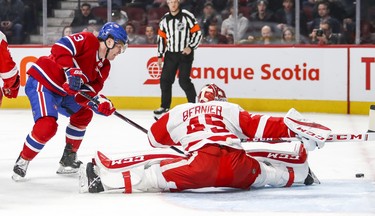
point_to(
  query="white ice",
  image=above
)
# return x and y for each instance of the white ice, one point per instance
(45, 193)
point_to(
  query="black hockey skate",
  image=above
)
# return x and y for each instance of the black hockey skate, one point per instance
(68, 162)
(311, 178)
(94, 183)
(20, 168)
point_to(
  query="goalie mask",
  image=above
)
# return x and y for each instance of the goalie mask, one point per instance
(211, 92)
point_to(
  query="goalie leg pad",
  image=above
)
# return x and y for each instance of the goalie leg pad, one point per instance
(281, 175)
(275, 175)
(137, 179)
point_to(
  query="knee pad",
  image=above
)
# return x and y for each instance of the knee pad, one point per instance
(44, 129)
(82, 118)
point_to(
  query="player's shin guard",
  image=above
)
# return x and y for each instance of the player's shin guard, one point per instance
(44, 129)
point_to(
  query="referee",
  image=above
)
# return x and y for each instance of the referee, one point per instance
(179, 34)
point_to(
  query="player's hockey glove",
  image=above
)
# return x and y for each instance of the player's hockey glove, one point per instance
(102, 105)
(11, 87)
(74, 80)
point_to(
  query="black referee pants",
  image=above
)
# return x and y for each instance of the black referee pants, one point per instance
(174, 61)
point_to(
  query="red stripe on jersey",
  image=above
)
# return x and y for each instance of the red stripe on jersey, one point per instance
(42, 104)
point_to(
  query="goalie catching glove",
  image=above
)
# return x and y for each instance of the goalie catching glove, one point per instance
(311, 134)
(74, 80)
(101, 105)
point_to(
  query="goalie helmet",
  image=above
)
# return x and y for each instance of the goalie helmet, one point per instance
(112, 29)
(211, 92)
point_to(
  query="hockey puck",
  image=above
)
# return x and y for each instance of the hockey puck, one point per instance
(359, 175)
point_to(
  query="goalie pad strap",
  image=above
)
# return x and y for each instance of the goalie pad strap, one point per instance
(291, 177)
(127, 182)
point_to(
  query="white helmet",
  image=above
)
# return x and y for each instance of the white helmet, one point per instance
(211, 92)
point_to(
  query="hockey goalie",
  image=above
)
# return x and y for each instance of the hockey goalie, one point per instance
(210, 134)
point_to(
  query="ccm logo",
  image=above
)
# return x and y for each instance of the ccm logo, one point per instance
(128, 160)
(283, 156)
(345, 137)
(310, 133)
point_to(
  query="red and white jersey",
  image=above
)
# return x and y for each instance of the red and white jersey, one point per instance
(78, 50)
(8, 68)
(193, 125)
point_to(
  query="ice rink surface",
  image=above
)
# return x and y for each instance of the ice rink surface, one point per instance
(45, 193)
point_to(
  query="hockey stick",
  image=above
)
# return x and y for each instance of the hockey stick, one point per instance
(361, 137)
(144, 130)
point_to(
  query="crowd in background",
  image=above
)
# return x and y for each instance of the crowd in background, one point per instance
(257, 21)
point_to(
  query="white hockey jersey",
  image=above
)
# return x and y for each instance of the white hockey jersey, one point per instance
(193, 125)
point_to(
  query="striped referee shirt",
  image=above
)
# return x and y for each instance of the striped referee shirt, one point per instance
(178, 32)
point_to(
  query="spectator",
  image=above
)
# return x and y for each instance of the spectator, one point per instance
(230, 38)
(348, 28)
(214, 37)
(324, 14)
(286, 17)
(261, 17)
(324, 35)
(150, 35)
(119, 16)
(367, 32)
(209, 16)
(288, 36)
(11, 20)
(267, 36)
(93, 29)
(84, 18)
(227, 27)
(262, 13)
(133, 38)
(67, 30)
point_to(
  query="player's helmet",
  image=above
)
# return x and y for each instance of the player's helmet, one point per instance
(211, 92)
(112, 29)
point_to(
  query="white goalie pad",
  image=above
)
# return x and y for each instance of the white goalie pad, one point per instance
(305, 128)
(291, 153)
(126, 163)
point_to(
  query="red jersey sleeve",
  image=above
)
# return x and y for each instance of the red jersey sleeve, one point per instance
(263, 126)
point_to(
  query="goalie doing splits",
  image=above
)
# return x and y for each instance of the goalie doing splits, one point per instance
(209, 132)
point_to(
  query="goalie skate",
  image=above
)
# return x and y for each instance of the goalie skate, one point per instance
(83, 182)
(89, 181)
(311, 178)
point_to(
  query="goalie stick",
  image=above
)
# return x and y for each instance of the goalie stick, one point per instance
(332, 138)
(144, 130)
(359, 137)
